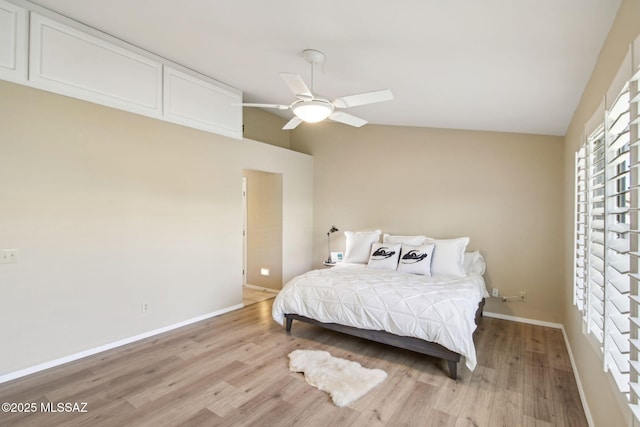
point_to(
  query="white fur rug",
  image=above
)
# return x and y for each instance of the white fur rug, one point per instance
(343, 379)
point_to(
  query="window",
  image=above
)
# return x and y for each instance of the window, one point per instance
(603, 236)
(607, 205)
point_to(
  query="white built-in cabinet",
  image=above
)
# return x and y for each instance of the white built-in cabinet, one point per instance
(41, 49)
(201, 104)
(73, 63)
(13, 39)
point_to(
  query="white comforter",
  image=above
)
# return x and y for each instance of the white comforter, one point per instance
(440, 309)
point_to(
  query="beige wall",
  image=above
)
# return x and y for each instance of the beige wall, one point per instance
(502, 190)
(264, 126)
(110, 210)
(264, 228)
(605, 402)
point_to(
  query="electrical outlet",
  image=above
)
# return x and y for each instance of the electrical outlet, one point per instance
(8, 256)
(495, 292)
(145, 307)
(523, 296)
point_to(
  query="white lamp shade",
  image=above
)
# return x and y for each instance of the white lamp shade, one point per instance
(312, 111)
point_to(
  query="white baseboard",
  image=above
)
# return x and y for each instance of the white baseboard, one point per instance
(523, 320)
(46, 365)
(583, 399)
(560, 326)
(260, 288)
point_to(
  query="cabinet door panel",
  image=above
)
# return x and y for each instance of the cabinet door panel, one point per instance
(68, 61)
(13, 53)
(202, 104)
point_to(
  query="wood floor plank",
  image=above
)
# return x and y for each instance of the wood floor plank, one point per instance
(451, 396)
(507, 409)
(184, 376)
(177, 413)
(557, 355)
(537, 399)
(264, 406)
(535, 339)
(566, 407)
(299, 393)
(98, 417)
(479, 396)
(233, 370)
(116, 383)
(204, 417)
(33, 386)
(415, 408)
(438, 418)
(379, 406)
(252, 296)
(528, 421)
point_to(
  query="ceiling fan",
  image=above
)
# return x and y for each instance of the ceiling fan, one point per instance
(312, 108)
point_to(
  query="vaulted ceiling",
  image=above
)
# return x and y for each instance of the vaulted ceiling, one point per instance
(501, 65)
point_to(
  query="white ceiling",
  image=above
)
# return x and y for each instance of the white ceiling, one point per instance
(503, 65)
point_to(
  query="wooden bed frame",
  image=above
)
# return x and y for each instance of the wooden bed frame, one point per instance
(407, 343)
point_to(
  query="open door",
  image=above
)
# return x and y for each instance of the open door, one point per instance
(262, 237)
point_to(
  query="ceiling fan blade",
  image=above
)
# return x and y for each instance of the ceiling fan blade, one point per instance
(363, 98)
(347, 119)
(293, 123)
(278, 106)
(297, 85)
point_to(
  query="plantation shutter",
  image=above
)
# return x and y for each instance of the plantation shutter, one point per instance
(579, 277)
(596, 236)
(617, 235)
(634, 137)
(585, 299)
(607, 271)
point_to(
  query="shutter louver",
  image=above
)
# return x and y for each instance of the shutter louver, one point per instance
(634, 255)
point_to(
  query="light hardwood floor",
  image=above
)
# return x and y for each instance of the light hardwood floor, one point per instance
(252, 296)
(232, 370)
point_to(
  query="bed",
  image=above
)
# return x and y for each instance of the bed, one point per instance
(433, 314)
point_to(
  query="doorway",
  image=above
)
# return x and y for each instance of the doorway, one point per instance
(262, 235)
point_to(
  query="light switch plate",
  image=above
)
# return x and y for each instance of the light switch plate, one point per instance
(8, 256)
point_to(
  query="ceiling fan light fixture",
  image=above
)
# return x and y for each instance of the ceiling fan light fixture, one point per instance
(312, 111)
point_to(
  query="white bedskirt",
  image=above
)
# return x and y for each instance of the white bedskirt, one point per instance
(440, 309)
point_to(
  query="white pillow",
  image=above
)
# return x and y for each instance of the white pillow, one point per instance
(358, 247)
(448, 256)
(474, 263)
(406, 240)
(384, 256)
(416, 259)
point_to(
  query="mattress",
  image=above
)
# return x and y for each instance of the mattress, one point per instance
(439, 309)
